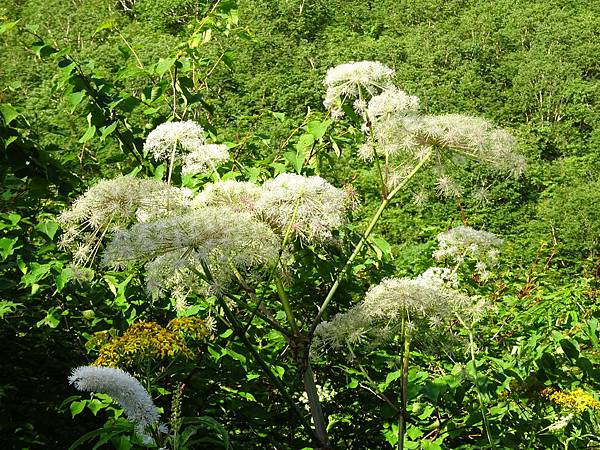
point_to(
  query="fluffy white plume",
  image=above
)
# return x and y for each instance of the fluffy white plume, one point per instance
(122, 388)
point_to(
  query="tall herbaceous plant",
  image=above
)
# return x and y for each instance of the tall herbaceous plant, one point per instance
(238, 244)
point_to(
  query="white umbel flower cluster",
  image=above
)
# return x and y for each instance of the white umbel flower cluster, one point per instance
(462, 243)
(112, 205)
(392, 102)
(174, 138)
(204, 158)
(310, 207)
(430, 298)
(123, 389)
(473, 137)
(237, 195)
(217, 237)
(353, 79)
(169, 201)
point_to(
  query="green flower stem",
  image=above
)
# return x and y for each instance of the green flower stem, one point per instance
(404, 386)
(382, 180)
(171, 163)
(482, 406)
(386, 201)
(286, 305)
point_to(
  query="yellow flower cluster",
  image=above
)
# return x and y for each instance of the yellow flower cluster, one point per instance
(576, 400)
(189, 326)
(142, 340)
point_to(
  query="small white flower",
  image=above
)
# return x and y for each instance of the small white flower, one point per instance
(174, 247)
(447, 187)
(431, 298)
(237, 195)
(112, 205)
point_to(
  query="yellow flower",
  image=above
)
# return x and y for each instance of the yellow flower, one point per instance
(576, 400)
(142, 340)
(189, 326)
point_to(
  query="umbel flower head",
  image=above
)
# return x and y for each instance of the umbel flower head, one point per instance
(431, 298)
(205, 157)
(309, 207)
(392, 102)
(123, 388)
(217, 237)
(474, 137)
(112, 205)
(237, 195)
(174, 138)
(462, 243)
(354, 79)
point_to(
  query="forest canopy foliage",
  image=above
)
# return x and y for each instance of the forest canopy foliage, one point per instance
(299, 224)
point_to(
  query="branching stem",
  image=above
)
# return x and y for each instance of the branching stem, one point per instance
(375, 219)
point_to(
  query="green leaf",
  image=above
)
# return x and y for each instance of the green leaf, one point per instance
(7, 247)
(305, 142)
(163, 65)
(7, 26)
(62, 278)
(52, 318)
(37, 272)
(9, 112)
(317, 128)
(235, 355)
(77, 407)
(75, 98)
(569, 348)
(49, 228)
(89, 133)
(390, 378)
(7, 307)
(106, 25)
(105, 131)
(95, 405)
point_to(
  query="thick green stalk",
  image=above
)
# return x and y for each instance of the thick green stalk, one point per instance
(315, 404)
(286, 305)
(308, 378)
(386, 201)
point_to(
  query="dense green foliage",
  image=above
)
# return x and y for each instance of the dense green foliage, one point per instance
(83, 82)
